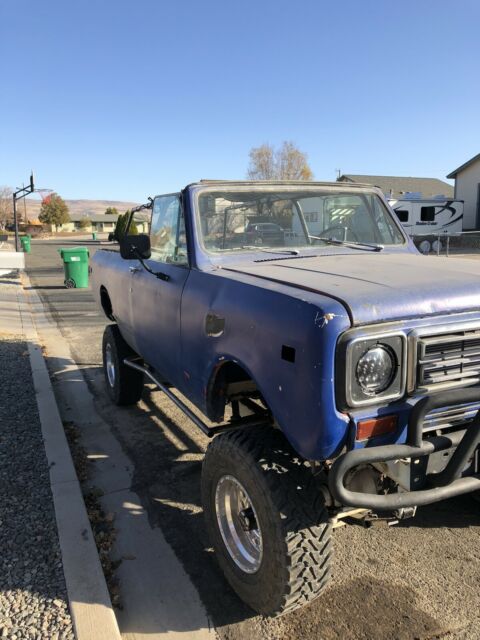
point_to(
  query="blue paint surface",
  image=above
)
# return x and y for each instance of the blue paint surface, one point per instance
(304, 302)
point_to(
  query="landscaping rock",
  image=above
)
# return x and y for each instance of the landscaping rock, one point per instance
(33, 597)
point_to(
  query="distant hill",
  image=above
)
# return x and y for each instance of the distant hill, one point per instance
(75, 207)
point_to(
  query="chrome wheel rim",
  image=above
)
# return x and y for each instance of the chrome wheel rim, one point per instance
(238, 524)
(110, 365)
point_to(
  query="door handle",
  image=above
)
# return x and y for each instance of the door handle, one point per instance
(133, 269)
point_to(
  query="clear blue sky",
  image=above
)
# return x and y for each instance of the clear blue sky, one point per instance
(121, 99)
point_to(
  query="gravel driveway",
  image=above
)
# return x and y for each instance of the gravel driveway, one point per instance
(33, 598)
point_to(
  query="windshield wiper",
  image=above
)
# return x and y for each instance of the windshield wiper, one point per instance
(288, 252)
(349, 243)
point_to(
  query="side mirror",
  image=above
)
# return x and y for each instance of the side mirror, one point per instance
(135, 247)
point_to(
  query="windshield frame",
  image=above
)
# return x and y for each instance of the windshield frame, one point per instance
(320, 189)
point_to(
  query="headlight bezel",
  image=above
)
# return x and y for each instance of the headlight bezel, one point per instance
(351, 349)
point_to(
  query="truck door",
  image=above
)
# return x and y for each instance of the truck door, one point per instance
(155, 301)
(127, 275)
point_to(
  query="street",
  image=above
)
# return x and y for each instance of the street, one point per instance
(419, 579)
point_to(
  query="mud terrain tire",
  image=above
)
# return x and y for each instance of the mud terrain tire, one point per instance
(290, 514)
(124, 384)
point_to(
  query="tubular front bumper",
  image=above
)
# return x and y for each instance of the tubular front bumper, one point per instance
(446, 484)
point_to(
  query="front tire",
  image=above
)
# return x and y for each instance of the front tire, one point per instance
(266, 520)
(124, 384)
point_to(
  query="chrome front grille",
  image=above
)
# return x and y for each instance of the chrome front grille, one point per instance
(448, 360)
(459, 415)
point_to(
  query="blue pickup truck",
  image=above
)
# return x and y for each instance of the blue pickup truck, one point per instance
(335, 368)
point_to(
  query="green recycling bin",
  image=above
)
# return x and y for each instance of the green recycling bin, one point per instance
(75, 264)
(25, 242)
(94, 236)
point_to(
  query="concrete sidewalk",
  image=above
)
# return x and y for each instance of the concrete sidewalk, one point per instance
(12, 301)
(90, 607)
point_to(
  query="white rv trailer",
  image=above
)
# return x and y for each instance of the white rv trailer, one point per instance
(429, 217)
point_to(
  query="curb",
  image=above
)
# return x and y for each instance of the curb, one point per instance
(159, 598)
(90, 605)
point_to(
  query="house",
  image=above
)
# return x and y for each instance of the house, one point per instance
(398, 187)
(467, 188)
(99, 223)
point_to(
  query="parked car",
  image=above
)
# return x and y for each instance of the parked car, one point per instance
(342, 375)
(264, 233)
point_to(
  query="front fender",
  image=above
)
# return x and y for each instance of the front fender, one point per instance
(260, 321)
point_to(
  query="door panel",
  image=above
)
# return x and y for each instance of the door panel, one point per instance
(156, 302)
(156, 305)
(122, 296)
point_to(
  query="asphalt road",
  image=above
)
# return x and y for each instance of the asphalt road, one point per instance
(420, 579)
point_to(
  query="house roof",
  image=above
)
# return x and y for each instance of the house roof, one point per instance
(463, 166)
(95, 217)
(400, 185)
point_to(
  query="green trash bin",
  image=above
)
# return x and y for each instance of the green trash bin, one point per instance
(94, 236)
(75, 264)
(25, 242)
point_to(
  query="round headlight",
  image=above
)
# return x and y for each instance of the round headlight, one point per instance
(376, 369)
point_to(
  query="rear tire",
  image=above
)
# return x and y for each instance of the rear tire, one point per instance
(283, 562)
(124, 384)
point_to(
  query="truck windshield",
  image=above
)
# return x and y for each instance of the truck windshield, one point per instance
(243, 220)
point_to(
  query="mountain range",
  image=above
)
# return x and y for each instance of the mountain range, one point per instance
(75, 207)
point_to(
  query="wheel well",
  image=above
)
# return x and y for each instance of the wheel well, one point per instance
(106, 303)
(230, 381)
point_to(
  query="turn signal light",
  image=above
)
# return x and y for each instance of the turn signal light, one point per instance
(376, 427)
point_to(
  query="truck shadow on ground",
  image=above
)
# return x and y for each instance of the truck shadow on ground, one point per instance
(167, 457)
(455, 513)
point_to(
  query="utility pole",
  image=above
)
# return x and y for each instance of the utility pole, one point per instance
(25, 219)
(18, 195)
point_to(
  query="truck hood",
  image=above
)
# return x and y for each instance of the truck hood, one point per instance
(378, 287)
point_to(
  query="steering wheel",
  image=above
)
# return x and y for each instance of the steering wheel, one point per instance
(337, 227)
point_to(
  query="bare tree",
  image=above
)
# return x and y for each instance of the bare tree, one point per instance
(262, 163)
(285, 163)
(292, 164)
(6, 206)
